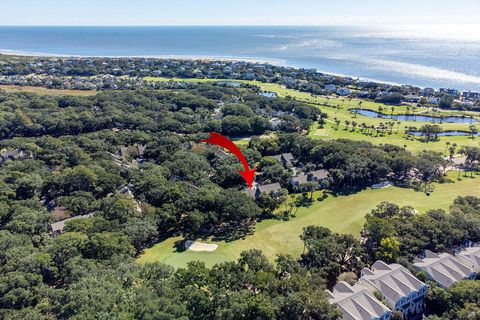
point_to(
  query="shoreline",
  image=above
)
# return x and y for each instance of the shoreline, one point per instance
(275, 62)
(270, 61)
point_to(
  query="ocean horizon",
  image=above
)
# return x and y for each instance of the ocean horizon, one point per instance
(425, 56)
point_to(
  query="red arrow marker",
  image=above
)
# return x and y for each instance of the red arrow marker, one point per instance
(219, 140)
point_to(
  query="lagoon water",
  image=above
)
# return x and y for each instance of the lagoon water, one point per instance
(426, 56)
(414, 117)
(446, 134)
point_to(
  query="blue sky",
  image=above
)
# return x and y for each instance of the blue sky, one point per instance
(240, 12)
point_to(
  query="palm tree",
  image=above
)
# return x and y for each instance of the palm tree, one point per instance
(337, 123)
(391, 124)
(354, 125)
(473, 130)
(452, 150)
(447, 144)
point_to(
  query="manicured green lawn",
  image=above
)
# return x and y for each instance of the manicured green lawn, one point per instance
(343, 214)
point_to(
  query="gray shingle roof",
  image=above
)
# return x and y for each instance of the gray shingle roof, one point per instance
(471, 255)
(58, 226)
(319, 174)
(444, 268)
(270, 188)
(393, 281)
(285, 158)
(356, 302)
(300, 179)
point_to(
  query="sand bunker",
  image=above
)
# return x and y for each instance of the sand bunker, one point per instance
(200, 246)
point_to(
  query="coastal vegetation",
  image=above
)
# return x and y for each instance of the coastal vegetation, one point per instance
(111, 206)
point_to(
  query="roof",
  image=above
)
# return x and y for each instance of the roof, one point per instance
(132, 151)
(269, 188)
(444, 268)
(319, 174)
(285, 158)
(311, 176)
(300, 179)
(13, 154)
(393, 281)
(471, 255)
(356, 302)
(58, 226)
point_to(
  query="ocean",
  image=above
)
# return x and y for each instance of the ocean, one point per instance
(425, 56)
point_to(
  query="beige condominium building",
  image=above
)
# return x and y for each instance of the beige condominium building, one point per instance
(445, 269)
(357, 303)
(400, 290)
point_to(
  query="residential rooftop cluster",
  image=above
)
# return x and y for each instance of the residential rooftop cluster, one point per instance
(129, 73)
(299, 179)
(385, 288)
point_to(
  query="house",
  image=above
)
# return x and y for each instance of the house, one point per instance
(273, 190)
(411, 98)
(471, 95)
(57, 227)
(11, 155)
(286, 159)
(427, 92)
(126, 192)
(450, 92)
(319, 176)
(400, 290)
(362, 94)
(357, 303)
(471, 256)
(275, 123)
(132, 152)
(444, 268)
(331, 88)
(343, 92)
(433, 100)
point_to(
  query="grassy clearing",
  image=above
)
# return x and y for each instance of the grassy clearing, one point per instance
(46, 91)
(344, 214)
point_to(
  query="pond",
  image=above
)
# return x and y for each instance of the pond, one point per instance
(445, 133)
(412, 117)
